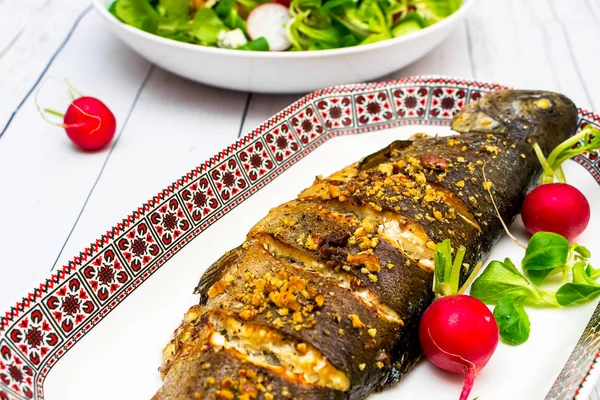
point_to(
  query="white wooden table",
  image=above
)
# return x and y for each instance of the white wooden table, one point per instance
(55, 199)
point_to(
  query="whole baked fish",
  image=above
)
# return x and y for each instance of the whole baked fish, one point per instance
(323, 299)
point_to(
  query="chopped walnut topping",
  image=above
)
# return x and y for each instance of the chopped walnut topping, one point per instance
(334, 191)
(320, 299)
(218, 288)
(288, 222)
(225, 394)
(310, 243)
(491, 149)
(356, 322)
(386, 168)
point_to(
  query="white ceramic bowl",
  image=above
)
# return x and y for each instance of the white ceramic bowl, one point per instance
(281, 72)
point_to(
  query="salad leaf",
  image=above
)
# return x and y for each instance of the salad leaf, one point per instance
(331, 4)
(436, 10)
(574, 292)
(330, 35)
(370, 13)
(376, 37)
(206, 26)
(501, 279)
(546, 252)
(178, 9)
(404, 28)
(513, 321)
(592, 272)
(259, 44)
(411, 22)
(581, 251)
(582, 288)
(305, 4)
(228, 12)
(138, 13)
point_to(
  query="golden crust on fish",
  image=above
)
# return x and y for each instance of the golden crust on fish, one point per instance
(324, 298)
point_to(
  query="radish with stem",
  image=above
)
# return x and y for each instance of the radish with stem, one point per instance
(458, 333)
(88, 122)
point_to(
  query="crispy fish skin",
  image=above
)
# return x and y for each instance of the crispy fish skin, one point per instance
(324, 298)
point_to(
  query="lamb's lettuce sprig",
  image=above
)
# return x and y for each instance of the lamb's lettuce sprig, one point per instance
(547, 254)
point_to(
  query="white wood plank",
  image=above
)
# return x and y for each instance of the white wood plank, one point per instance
(31, 31)
(176, 126)
(571, 11)
(263, 106)
(526, 49)
(595, 8)
(48, 178)
(450, 58)
(582, 38)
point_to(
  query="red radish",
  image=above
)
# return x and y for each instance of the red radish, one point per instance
(268, 21)
(283, 2)
(89, 123)
(556, 207)
(459, 334)
(559, 207)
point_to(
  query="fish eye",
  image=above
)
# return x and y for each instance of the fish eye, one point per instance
(543, 104)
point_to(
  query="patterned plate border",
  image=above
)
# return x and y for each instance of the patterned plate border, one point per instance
(38, 330)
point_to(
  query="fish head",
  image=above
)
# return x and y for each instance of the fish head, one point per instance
(544, 117)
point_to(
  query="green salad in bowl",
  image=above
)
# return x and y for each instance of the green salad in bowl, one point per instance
(283, 25)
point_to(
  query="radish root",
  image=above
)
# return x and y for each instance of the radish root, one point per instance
(510, 235)
(470, 369)
(70, 89)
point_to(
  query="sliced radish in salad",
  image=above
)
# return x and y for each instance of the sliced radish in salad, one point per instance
(268, 21)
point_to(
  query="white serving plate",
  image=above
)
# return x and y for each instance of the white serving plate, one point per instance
(281, 72)
(95, 329)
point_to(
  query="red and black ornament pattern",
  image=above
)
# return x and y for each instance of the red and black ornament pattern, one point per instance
(200, 199)
(16, 374)
(373, 108)
(229, 179)
(35, 336)
(38, 332)
(105, 274)
(139, 247)
(307, 125)
(170, 221)
(256, 160)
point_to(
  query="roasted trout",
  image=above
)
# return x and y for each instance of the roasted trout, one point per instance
(323, 299)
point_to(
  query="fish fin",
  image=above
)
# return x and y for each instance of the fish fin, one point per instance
(216, 271)
(383, 155)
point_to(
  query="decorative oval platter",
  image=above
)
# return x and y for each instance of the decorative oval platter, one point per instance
(95, 328)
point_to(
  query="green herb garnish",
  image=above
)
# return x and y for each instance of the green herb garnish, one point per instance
(513, 321)
(547, 253)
